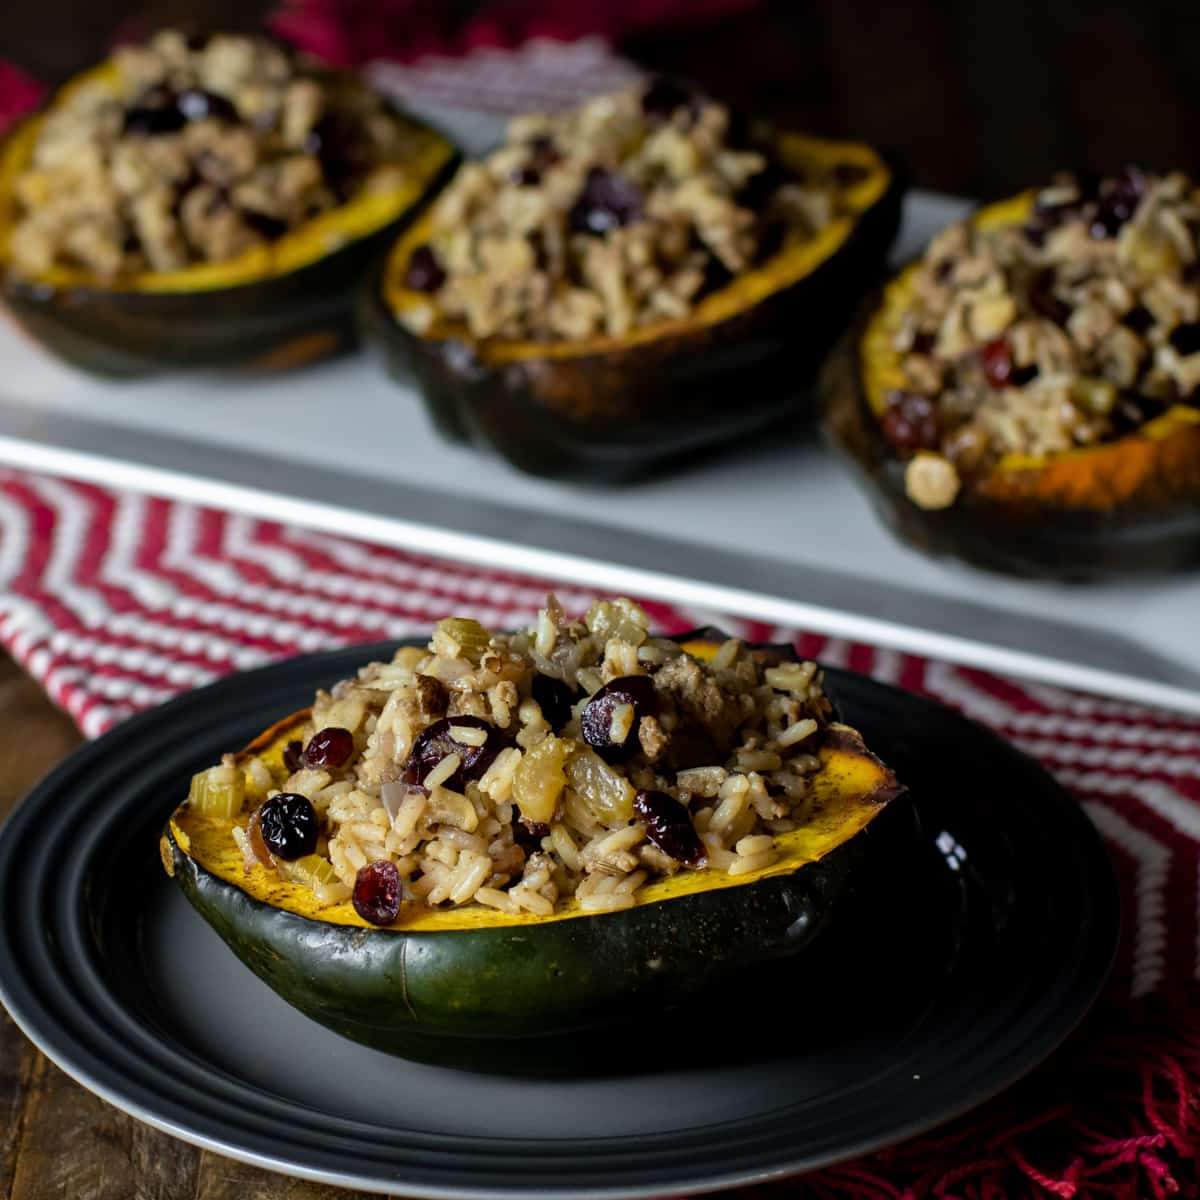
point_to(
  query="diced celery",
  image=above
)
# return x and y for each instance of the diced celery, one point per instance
(460, 637)
(618, 619)
(317, 874)
(218, 792)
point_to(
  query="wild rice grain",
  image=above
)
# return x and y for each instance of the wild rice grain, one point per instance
(472, 875)
(611, 902)
(564, 846)
(466, 735)
(531, 901)
(444, 769)
(494, 898)
(797, 732)
(621, 722)
(630, 883)
(411, 809)
(755, 845)
(747, 863)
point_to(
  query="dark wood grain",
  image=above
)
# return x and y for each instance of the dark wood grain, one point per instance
(57, 1141)
(221, 1179)
(17, 1059)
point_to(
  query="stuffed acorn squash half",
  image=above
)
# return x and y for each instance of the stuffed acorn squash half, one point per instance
(632, 280)
(1027, 395)
(504, 837)
(204, 202)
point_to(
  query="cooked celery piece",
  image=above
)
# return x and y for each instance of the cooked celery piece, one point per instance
(317, 874)
(618, 619)
(218, 792)
(460, 637)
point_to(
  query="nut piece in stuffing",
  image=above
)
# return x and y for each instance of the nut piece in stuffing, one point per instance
(931, 481)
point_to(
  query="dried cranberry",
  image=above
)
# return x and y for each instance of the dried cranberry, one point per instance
(154, 113)
(717, 274)
(288, 824)
(1043, 300)
(543, 154)
(1048, 215)
(634, 690)
(1139, 318)
(847, 174)
(1186, 338)
(293, 756)
(198, 105)
(997, 362)
(378, 892)
(669, 827)
(528, 835)
(336, 141)
(269, 227)
(911, 422)
(329, 747)
(608, 200)
(1132, 410)
(1118, 200)
(664, 97)
(435, 743)
(424, 272)
(758, 190)
(555, 698)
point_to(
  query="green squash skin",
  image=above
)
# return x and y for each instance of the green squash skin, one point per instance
(512, 998)
(288, 319)
(1160, 532)
(499, 999)
(613, 416)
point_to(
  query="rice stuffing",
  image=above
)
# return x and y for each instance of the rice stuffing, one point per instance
(576, 759)
(1076, 327)
(619, 214)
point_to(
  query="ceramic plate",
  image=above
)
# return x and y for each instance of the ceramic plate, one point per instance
(981, 936)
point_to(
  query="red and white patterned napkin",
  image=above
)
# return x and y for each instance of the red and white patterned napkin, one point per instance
(116, 601)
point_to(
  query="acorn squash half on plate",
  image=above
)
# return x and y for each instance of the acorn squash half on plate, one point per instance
(279, 304)
(473, 986)
(1125, 505)
(605, 408)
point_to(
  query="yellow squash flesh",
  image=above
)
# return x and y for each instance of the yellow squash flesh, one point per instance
(748, 289)
(370, 211)
(1102, 476)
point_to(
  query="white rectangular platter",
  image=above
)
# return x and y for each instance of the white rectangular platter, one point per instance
(774, 529)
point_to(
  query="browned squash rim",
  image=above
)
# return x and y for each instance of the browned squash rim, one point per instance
(1117, 469)
(751, 287)
(308, 243)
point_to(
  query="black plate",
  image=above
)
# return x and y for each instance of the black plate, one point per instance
(961, 964)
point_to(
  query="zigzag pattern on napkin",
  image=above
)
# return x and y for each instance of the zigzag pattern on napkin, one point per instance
(116, 601)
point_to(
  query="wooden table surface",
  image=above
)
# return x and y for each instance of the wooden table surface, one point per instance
(57, 1141)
